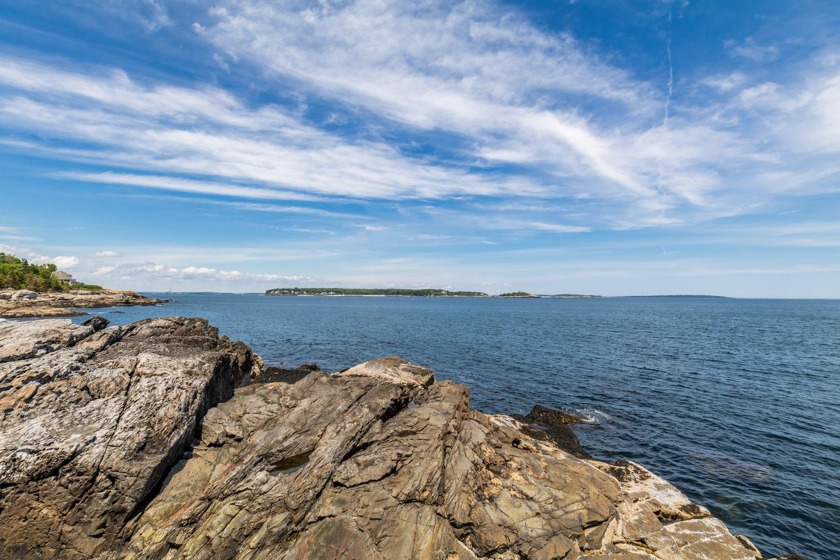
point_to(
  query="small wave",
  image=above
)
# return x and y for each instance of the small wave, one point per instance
(593, 416)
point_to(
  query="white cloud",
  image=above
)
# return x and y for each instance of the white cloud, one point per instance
(490, 77)
(66, 261)
(751, 50)
(460, 67)
(761, 94)
(153, 16)
(107, 254)
(189, 273)
(61, 261)
(9, 233)
(185, 185)
(508, 110)
(207, 132)
(725, 82)
(221, 62)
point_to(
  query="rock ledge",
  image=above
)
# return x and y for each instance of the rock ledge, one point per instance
(25, 303)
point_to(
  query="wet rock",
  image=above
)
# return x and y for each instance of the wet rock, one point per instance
(96, 323)
(553, 425)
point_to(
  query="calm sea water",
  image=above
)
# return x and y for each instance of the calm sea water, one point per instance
(737, 402)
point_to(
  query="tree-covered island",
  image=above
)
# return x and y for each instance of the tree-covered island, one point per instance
(425, 292)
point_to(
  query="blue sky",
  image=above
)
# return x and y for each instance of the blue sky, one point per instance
(608, 147)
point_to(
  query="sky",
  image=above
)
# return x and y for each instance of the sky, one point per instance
(609, 147)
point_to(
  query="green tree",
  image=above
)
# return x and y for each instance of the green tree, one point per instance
(19, 274)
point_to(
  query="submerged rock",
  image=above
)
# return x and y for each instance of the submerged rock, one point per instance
(378, 461)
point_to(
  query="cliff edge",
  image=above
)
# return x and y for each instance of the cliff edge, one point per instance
(161, 439)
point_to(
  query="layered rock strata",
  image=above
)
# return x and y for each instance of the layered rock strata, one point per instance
(94, 418)
(97, 459)
(24, 303)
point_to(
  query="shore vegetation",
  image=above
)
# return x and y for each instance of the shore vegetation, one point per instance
(19, 274)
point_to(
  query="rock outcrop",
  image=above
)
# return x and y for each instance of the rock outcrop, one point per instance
(379, 461)
(94, 418)
(25, 303)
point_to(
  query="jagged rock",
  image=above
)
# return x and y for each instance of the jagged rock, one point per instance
(97, 323)
(380, 462)
(552, 425)
(377, 461)
(92, 421)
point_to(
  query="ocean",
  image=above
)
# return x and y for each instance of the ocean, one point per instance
(735, 401)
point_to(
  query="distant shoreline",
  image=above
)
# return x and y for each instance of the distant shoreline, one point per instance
(405, 292)
(22, 304)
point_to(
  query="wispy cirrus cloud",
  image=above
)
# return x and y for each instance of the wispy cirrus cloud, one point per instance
(517, 96)
(107, 119)
(750, 49)
(449, 102)
(180, 184)
(487, 75)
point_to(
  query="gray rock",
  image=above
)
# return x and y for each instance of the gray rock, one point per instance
(24, 303)
(92, 421)
(24, 294)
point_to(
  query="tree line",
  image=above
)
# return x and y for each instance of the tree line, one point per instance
(19, 274)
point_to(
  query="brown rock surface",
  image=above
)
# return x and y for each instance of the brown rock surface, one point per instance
(93, 419)
(59, 304)
(377, 461)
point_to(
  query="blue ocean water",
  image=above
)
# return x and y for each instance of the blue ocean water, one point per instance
(737, 402)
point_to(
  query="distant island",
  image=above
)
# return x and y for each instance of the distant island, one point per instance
(426, 292)
(679, 296)
(405, 292)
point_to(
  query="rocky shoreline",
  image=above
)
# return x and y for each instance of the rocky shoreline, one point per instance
(25, 303)
(161, 439)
